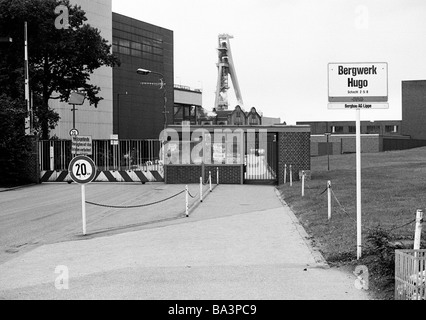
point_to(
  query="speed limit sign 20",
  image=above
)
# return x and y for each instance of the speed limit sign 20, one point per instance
(82, 169)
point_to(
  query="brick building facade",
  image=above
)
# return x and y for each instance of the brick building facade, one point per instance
(256, 161)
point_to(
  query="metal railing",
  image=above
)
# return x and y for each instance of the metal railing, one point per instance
(108, 155)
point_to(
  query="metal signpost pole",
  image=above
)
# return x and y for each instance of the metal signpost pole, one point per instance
(358, 180)
(82, 170)
(83, 207)
(358, 86)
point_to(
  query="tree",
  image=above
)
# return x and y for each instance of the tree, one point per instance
(14, 148)
(61, 60)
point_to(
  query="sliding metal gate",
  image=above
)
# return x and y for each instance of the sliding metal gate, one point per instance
(261, 158)
(123, 160)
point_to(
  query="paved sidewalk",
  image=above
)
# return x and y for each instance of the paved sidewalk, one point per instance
(241, 242)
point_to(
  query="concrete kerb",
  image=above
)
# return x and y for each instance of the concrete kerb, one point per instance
(318, 257)
(18, 187)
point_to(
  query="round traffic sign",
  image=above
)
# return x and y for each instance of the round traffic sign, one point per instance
(82, 169)
(73, 132)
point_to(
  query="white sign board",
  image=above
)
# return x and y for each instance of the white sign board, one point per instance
(114, 139)
(364, 105)
(81, 145)
(358, 82)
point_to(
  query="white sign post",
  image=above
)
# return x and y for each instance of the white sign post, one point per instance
(82, 170)
(358, 86)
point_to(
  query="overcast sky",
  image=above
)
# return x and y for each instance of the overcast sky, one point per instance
(281, 48)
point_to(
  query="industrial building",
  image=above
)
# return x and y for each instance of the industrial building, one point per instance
(139, 102)
(414, 109)
(128, 108)
(91, 121)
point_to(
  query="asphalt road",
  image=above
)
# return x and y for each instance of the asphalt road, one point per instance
(241, 242)
(51, 212)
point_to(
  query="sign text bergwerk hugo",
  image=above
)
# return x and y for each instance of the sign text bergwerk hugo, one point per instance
(358, 82)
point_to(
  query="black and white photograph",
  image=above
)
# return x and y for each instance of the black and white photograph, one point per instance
(212, 158)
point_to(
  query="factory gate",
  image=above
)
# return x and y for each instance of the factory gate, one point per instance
(116, 161)
(261, 158)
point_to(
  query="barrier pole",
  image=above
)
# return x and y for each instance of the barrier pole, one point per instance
(285, 173)
(303, 183)
(186, 200)
(329, 198)
(418, 232)
(201, 189)
(291, 177)
(210, 180)
(217, 175)
(83, 207)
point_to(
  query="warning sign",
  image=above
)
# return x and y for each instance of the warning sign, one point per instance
(81, 145)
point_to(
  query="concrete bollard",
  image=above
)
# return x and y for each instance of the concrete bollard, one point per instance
(418, 231)
(285, 173)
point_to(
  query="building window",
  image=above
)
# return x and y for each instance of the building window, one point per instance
(136, 53)
(124, 43)
(136, 45)
(253, 120)
(336, 129)
(158, 51)
(391, 129)
(124, 50)
(373, 129)
(352, 129)
(146, 48)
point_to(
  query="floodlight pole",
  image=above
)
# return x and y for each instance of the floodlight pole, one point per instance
(162, 84)
(73, 115)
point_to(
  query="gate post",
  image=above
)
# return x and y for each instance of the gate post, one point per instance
(51, 156)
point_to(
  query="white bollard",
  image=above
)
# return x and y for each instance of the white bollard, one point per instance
(201, 189)
(285, 173)
(210, 180)
(303, 183)
(291, 177)
(418, 232)
(329, 198)
(186, 200)
(217, 175)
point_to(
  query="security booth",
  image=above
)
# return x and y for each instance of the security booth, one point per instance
(254, 154)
